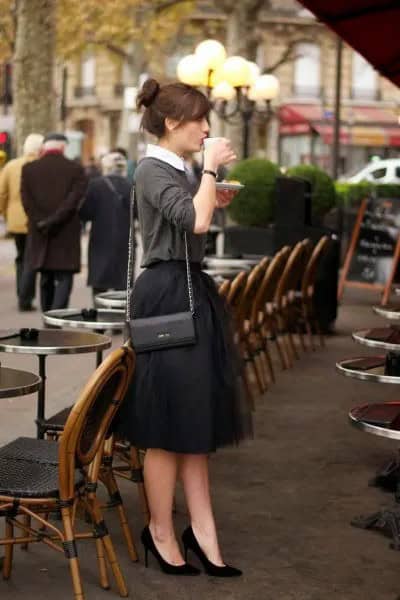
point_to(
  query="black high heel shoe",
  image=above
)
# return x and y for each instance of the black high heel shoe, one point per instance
(190, 543)
(166, 567)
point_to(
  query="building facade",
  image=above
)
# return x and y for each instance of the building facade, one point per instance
(301, 129)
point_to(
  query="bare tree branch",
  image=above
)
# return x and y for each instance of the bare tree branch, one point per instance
(168, 4)
(287, 55)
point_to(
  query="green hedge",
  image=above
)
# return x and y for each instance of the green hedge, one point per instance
(351, 194)
(323, 194)
(254, 204)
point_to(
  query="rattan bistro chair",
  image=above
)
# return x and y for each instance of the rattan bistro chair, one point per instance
(307, 292)
(35, 490)
(263, 318)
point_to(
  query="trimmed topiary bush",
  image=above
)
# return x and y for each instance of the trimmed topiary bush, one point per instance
(254, 205)
(323, 195)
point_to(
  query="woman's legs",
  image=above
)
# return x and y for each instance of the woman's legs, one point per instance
(160, 472)
(193, 469)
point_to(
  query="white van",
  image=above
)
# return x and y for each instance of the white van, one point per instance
(378, 171)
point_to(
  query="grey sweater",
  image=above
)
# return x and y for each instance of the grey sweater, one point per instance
(166, 210)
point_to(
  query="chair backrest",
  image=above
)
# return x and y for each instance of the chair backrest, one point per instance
(253, 283)
(235, 292)
(310, 273)
(293, 271)
(267, 289)
(90, 419)
(224, 288)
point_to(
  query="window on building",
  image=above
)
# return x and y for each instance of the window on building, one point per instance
(379, 173)
(364, 79)
(87, 76)
(307, 77)
(397, 171)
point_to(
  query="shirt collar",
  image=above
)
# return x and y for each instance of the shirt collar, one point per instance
(154, 151)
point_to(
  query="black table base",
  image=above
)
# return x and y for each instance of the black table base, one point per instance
(388, 477)
(387, 521)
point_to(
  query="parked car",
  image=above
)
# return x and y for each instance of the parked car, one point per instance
(378, 171)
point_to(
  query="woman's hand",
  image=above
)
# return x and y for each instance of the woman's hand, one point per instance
(225, 197)
(219, 153)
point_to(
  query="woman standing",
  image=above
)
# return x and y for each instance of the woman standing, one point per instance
(106, 206)
(184, 402)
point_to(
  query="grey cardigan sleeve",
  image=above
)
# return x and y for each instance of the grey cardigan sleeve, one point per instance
(165, 193)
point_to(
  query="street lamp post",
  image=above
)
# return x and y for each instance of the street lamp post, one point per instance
(234, 84)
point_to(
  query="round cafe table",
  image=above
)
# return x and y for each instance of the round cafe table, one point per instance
(365, 337)
(388, 312)
(72, 317)
(14, 382)
(52, 341)
(115, 299)
(366, 368)
(382, 420)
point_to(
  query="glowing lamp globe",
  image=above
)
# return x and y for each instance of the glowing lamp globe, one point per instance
(254, 71)
(223, 91)
(236, 71)
(192, 71)
(266, 87)
(211, 53)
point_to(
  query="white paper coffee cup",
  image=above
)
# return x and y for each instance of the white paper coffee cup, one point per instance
(210, 141)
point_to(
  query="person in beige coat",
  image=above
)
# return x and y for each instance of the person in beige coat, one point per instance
(17, 222)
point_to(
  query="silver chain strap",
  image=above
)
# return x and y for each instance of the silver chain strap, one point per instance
(131, 262)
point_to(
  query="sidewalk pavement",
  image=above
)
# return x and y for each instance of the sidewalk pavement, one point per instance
(283, 501)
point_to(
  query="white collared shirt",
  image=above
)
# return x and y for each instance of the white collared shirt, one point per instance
(154, 151)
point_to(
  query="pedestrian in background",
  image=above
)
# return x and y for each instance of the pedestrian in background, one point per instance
(130, 164)
(106, 206)
(16, 219)
(52, 189)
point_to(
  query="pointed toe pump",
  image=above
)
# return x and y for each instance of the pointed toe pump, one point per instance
(166, 567)
(190, 543)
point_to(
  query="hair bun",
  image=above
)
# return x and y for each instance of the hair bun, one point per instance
(148, 93)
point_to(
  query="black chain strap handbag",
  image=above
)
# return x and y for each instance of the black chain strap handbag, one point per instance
(159, 332)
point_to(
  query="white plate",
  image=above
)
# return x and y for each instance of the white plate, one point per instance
(225, 185)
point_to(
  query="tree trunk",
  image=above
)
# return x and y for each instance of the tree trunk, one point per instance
(34, 94)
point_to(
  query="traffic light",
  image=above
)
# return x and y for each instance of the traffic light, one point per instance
(5, 142)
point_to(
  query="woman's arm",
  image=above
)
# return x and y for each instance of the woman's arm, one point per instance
(205, 201)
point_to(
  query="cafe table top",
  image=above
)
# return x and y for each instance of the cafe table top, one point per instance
(362, 338)
(371, 428)
(57, 341)
(366, 368)
(14, 382)
(388, 312)
(72, 317)
(114, 299)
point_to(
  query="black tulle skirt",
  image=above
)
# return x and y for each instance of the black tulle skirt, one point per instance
(188, 399)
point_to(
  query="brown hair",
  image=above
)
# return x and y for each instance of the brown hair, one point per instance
(176, 101)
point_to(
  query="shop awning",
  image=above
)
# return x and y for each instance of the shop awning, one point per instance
(371, 27)
(361, 125)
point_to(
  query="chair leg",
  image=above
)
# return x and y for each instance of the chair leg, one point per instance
(105, 538)
(101, 561)
(270, 363)
(71, 554)
(9, 550)
(26, 519)
(107, 477)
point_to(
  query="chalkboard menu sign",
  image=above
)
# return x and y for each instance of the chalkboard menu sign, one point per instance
(373, 254)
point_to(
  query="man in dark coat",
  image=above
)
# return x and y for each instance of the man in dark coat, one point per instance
(107, 207)
(52, 189)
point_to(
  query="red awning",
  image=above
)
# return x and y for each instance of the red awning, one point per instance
(361, 125)
(371, 27)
